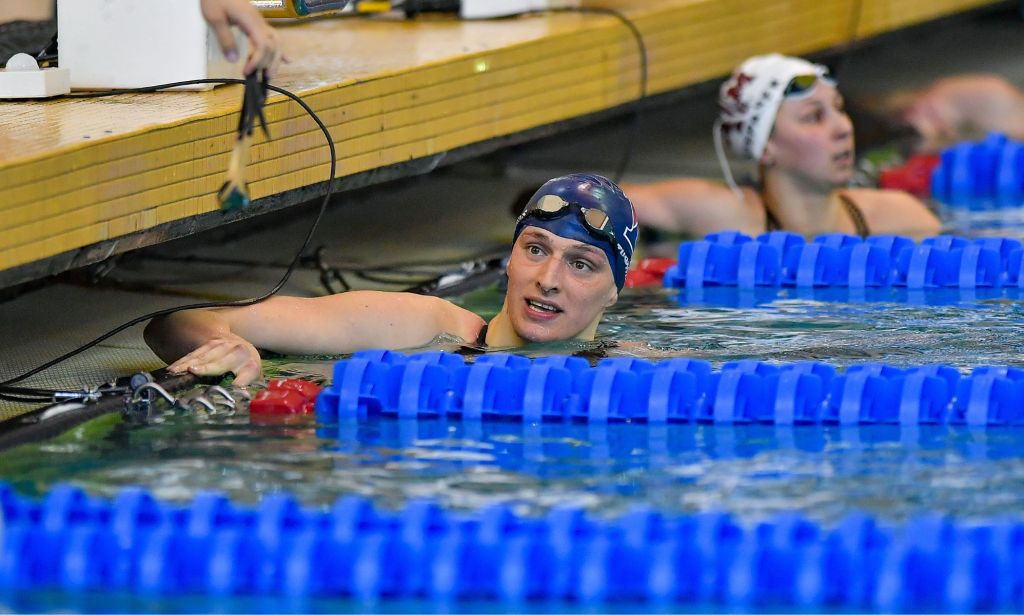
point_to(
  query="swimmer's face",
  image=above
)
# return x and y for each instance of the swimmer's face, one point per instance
(813, 139)
(558, 288)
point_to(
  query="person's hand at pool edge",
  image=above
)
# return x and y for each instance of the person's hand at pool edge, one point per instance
(213, 342)
(201, 343)
(265, 51)
(222, 355)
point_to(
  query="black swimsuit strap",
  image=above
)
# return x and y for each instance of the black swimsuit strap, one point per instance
(771, 223)
(859, 223)
(479, 346)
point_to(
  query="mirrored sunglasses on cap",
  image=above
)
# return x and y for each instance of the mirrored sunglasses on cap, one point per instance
(803, 85)
(551, 206)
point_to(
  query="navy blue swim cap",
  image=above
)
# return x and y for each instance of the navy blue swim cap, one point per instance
(578, 193)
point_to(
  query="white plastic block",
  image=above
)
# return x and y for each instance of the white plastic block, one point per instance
(110, 44)
(22, 78)
(486, 9)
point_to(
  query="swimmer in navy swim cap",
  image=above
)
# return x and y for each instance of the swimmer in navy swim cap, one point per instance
(572, 247)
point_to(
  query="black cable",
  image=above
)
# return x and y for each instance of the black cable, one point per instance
(406, 267)
(843, 61)
(627, 156)
(209, 304)
(28, 392)
(25, 400)
(404, 281)
(450, 6)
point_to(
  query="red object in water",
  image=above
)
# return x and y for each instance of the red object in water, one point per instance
(285, 396)
(914, 176)
(304, 387)
(648, 272)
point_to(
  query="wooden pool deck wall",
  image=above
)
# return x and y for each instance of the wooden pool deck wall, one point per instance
(83, 179)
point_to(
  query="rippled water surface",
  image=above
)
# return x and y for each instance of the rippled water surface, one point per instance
(953, 327)
(752, 471)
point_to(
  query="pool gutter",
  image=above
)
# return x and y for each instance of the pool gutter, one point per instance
(55, 419)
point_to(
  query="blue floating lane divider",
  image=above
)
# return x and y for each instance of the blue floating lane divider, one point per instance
(568, 389)
(781, 259)
(135, 543)
(988, 174)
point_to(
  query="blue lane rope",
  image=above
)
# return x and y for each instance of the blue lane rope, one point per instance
(212, 546)
(981, 175)
(783, 259)
(565, 388)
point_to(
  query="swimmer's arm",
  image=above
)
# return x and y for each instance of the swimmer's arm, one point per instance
(201, 342)
(961, 107)
(691, 207)
(217, 341)
(351, 321)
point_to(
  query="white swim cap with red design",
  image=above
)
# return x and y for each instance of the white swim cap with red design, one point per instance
(750, 98)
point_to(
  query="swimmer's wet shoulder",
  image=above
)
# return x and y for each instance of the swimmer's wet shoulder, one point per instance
(893, 212)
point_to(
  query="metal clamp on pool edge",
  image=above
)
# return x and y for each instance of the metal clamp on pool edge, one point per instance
(564, 388)
(73, 542)
(781, 259)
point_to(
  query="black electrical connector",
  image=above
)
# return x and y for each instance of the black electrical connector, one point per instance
(415, 7)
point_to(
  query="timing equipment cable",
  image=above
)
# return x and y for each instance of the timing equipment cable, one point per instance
(12, 393)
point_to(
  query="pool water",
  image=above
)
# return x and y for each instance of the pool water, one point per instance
(959, 328)
(751, 471)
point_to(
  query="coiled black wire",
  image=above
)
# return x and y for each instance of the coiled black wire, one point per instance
(633, 135)
(23, 394)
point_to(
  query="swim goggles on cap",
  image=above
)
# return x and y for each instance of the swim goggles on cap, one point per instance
(551, 206)
(802, 85)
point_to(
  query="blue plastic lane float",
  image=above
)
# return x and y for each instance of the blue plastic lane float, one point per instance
(568, 389)
(212, 546)
(781, 259)
(988, 174)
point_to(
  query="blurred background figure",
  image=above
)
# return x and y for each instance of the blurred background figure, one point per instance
(946, 111)
(786, 115)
